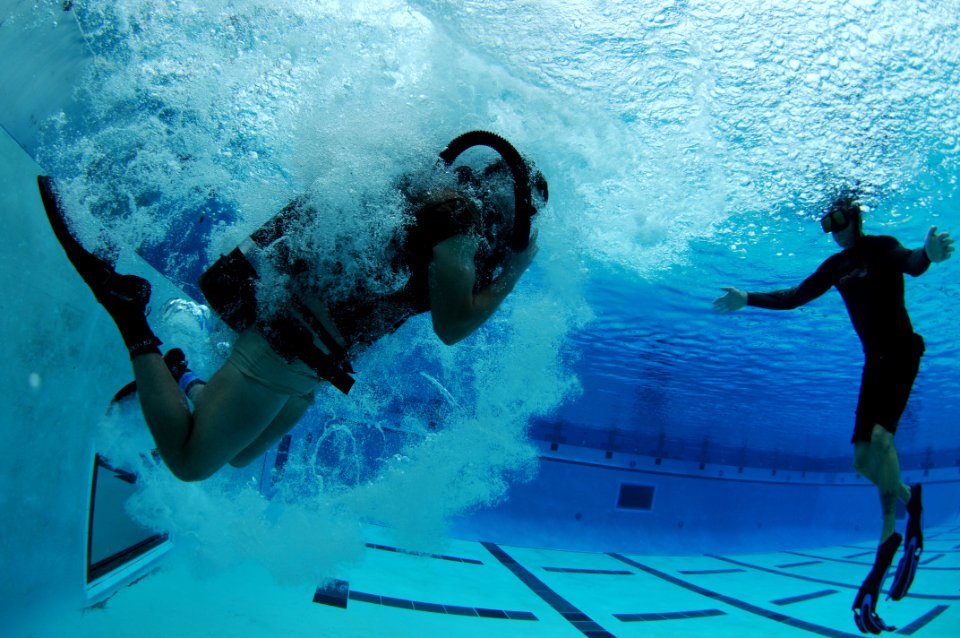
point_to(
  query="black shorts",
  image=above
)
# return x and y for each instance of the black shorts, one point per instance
(885, 388)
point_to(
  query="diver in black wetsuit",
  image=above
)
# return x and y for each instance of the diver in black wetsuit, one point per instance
(869, 275)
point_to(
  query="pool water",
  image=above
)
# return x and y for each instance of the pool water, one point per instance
(607, 456)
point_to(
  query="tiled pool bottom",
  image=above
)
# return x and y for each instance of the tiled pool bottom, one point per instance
(481, 589)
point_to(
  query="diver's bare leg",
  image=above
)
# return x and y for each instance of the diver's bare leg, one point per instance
(229, 415)
(288, 417)
(877, 461)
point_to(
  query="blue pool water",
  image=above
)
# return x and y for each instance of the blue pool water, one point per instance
(688, 145)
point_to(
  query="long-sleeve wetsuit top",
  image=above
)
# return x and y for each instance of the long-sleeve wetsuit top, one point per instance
(869, 277)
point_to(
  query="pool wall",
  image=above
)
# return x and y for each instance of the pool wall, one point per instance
(62, 360)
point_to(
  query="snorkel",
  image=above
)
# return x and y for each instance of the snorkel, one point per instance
(520, 169)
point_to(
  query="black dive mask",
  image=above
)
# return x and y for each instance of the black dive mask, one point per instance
(843, 211)
(835, 221)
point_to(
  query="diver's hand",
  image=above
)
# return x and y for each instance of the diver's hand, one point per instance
(938, 246)
(731, 302)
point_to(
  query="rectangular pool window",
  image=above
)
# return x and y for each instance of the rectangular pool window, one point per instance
(635, 497)
(119, 549)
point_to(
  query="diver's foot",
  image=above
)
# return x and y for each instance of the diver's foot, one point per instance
(123, 295)
(180, 370)
(913, 548)
(864, 605)
(125, 298)
(177, 364)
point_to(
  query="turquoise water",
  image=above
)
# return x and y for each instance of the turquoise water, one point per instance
(688, 146)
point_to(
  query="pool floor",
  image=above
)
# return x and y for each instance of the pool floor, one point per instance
(474, 589)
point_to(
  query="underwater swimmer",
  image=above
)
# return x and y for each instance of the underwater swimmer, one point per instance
(466, 248)
(868, 273)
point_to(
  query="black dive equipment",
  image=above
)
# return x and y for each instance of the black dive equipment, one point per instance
(230, 284)
(519, 168)
(835, 221)
(842, 212)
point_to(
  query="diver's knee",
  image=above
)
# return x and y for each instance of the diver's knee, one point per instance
(881, 439)
(189, 472)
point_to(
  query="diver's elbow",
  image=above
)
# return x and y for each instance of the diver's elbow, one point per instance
(452, 332)
(450, 337)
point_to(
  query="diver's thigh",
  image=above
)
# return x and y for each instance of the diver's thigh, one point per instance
(291, 413)
(232, 412)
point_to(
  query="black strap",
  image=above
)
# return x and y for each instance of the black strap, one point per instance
(230, 288)
(337, 351)
(292, 340)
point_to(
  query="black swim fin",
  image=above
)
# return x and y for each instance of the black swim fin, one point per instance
(92, 269)
(108, 287)
(125, 297)
(864, 605)
(913, 548)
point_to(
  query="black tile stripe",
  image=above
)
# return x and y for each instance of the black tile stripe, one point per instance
(670, 615)
(847, 559)
(577, 570)
(803, 564)
(455, 559)
(733, 478)
(804, 597)
(520, 615)
(739, 604)
(867, 564)
(433, 608)
(400, 603)
(492, 613)
(923, 620)
(576, 617)
(810, 579)
(927, 543)
(690, 572)
(337, 594)
(927, 561)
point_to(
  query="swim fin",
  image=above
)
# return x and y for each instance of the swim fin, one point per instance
(864, 605)
(125, 297)
(93, 269)
(99, 275)
(907, 567)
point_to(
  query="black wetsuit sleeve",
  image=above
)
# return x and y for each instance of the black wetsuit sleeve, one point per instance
(911, 262)
(789, 298)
